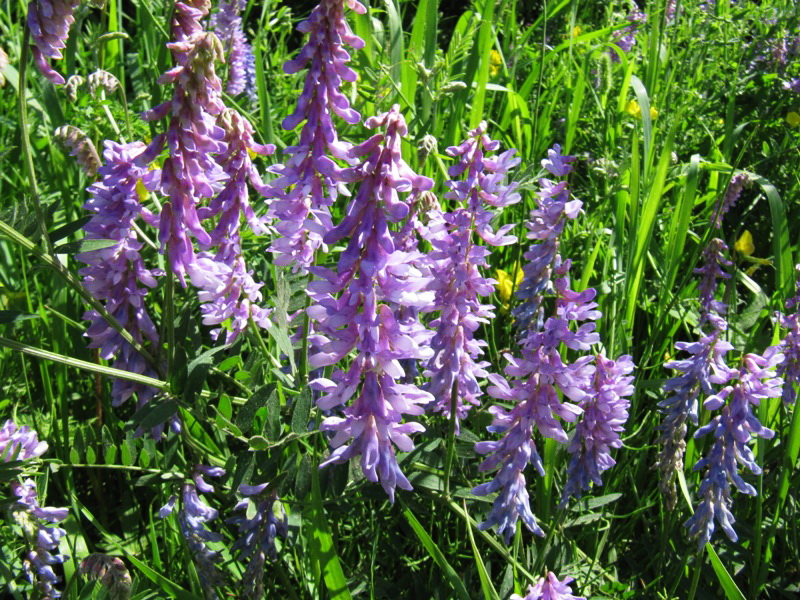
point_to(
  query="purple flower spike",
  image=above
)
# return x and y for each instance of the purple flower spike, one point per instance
(190, 173)
(227, 24)
(116, 275)
(737, 184)
(732, 430)
(705, 368)
(19, 443)
(605, 411)
(305, 188)
(549, 588)
(456, 260)
(374, 277)
(258, 534)
(789, 369)
(625, 38)
(49, 22)
(42, 541)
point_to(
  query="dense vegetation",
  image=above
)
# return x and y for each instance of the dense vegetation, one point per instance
(322, 301)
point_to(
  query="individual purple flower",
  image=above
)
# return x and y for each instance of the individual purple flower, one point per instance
(229, 294)
(605, 411)
(373, 279)
(112, 573)
(705, 368)
(457, 282)
(258, 533)
(305, 190)
(80, 146)
(49, 22)
(625, 38)
(192, 519)
(116, 275)
(789, 369)
(792, 85)
(190, 173)
(42, 540)
(738, 182)
(549, 588)
(733, 429)
(227, 25)
(19, 443)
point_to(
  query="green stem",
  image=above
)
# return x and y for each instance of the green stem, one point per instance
(75, 283)
(695, 577)
(26, 143)
(451, 439)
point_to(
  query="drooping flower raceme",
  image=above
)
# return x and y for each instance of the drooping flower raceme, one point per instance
(112, 573)
(373, 278)
(226, 23)
(80, 146)
(625, 38)
(303, 192)
(455, 367)
(190, 173)
(192, 519)
(116, 275)
(49, 22)
(258, 534)
(738, 182)
(549, 588)
(732, 429)
(227, 289)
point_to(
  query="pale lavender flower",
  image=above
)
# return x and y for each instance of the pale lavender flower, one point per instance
(705, 368)
(549, 588)
(625, 38)
(732, 430)
(789, 369)
(49, 22)
(190, 173)
(258, 533)
(19, 443)
(373, 279)
(42, 540)
(456, 261)
(228, 292)
(116, 275)
(80, 146)
(304, 193)
(738, 182)
(670, 9)
(112, 573)
(71, 87)
(605, 411)
(792, 85)
(227, 25)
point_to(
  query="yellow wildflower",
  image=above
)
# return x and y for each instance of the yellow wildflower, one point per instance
(744, 245)
(576, 31)
(495, 62)
(793, 119)
(653, 114)
(506, 285)
(141, 190)
(633, 109)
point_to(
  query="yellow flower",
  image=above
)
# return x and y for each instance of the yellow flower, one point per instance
(141, 190)
(793, 119)
(633, 109)
(506, 285)
(495, 62)
(744, 245)
(576, 31)
(653, 114)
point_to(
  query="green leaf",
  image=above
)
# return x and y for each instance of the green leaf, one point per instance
(246, 414)
(322, 549)
(197, 372)
(84, 246)
(154, 413)
(732, 592)
(302, 410)
(14, 316)
(436, 554)
(68, 229)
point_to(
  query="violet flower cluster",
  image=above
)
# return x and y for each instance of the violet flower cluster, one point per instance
(111, 572)
(305, 190)
(549, 588)
(737, 183)
(355, 310)
(42, 539)
(258, 534)
(625, 38)
(789, 369)
(116, 275)
(704, 368)
(226, 23)
(49, 22)
(456, 260)
(192, 519)
(541, 377)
